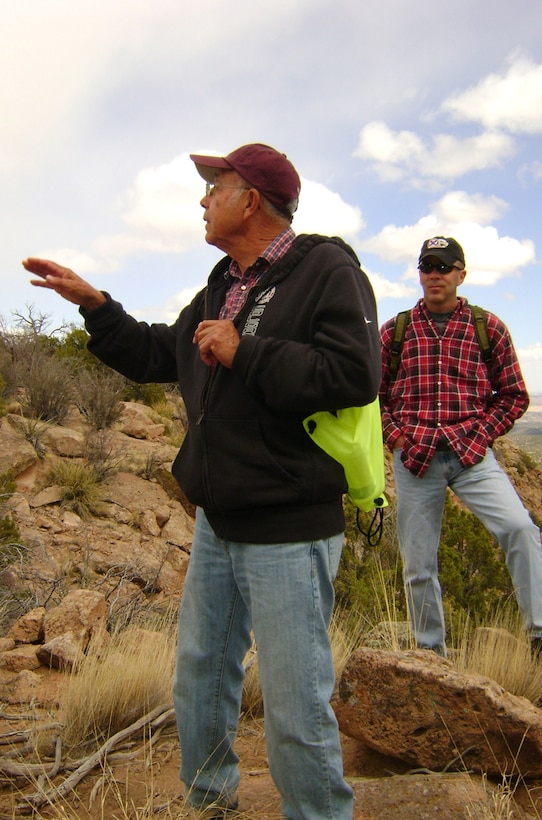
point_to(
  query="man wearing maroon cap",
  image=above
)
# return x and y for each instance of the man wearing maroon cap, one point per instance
(286, 326)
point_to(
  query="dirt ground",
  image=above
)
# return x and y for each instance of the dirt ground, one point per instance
(147, 786)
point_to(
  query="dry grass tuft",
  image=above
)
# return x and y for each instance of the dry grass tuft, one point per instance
(78, 484)
(113, 687)
(345, 633)
(252, 701)
(501, 651)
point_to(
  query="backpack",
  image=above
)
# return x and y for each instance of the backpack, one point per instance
(353, 437)
(402, 319)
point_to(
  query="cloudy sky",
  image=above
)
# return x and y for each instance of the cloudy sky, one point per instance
(404, 120)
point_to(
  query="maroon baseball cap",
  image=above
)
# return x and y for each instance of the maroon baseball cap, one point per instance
(264, 168)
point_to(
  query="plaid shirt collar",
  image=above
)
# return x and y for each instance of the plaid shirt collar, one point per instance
(268, 257)
(242, 282)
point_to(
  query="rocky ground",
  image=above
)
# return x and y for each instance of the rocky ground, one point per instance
(135, 551)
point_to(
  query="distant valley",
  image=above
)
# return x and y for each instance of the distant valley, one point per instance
(527, 431)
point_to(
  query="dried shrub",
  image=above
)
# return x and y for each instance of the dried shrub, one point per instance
(9, 532)
(2, 404)
(34, 430)
(102, 453)
(79, 486)
(48, 387)
(114, 686)
(98, 395)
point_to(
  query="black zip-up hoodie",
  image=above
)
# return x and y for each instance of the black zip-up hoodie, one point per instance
(309, 341)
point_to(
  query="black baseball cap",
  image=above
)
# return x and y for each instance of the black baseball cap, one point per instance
(445, 248)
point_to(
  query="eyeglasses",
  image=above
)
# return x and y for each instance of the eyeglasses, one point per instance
(428, 267)
(211, 186)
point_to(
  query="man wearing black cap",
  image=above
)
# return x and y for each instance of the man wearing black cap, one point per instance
(286, 326)
(442, 409)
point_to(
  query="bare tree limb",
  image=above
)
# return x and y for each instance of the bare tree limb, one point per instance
(43, 796)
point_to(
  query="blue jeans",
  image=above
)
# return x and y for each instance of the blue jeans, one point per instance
(284, 592)
(486, 490)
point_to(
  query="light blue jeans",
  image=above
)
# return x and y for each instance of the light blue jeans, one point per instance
(284, 592)
(487, 491)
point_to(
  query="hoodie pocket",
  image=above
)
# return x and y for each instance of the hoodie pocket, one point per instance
(225, 465)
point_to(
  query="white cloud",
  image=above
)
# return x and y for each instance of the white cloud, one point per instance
(532, 354)
(323, 211)
(398, 244)
(397, 155)
(83, 262)
(163, 205)
(392, 152)
(500, 102)
(491, 257)
(169, 310)
(451, 157)
(162, 214)
(61, 58)
(459, 206)
(511, 101)
(384, 288)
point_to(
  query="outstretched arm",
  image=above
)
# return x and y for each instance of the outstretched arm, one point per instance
(64, 282)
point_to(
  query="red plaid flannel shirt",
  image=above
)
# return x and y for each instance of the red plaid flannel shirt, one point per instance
(241, 283)
(442, 389)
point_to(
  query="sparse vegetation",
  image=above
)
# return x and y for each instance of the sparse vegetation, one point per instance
(2, 402)
(150, 394)
(11, 550)
(9, 532)
(48, 385)
(500, 650)
(102, 454)
(116, 685)
(78, 484)
(98, 396)
(34, 430)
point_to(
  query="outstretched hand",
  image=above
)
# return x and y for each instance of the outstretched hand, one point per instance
(64, 282)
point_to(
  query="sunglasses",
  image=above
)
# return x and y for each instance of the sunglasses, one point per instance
(428, 267)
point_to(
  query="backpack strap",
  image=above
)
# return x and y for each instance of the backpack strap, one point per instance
(480, 325)
(479, 320)
(401, 321)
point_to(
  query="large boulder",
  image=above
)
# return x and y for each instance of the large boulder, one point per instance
(419, 708)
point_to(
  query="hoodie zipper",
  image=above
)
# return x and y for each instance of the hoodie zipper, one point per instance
(210, 374)
(265, 282)
(249, 303)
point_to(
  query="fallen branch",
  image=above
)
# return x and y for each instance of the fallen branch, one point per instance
(23, 735)
(51, 795)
